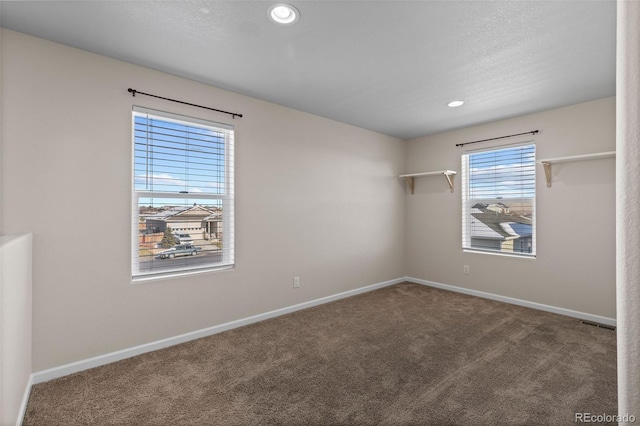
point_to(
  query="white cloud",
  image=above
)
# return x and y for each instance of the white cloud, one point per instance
(163, 179)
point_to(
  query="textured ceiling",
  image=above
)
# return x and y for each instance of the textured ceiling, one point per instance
(388, 66)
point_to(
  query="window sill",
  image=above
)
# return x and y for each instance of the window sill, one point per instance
(493, 253)
(178, 274)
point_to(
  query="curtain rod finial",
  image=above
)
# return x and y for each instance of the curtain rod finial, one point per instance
(132, 91)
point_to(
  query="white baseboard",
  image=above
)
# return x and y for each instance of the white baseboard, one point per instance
(25, 401)
(75, 367)
(519, 302)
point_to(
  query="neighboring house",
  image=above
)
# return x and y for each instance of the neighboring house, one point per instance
(499, 208)
(187, 219)
(494, 228)
(212, 226)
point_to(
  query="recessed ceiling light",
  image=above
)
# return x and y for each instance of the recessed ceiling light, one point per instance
(283, 14)
(454, 104)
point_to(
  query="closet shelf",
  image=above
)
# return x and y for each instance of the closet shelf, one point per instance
(548, 162)
(448, 174)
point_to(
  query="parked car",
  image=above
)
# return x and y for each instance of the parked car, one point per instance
(179, 250)
(183, 238)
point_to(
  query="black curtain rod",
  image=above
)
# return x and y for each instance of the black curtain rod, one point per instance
(533, 132)
(134, 91)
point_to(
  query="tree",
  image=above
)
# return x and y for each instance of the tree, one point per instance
(168, 239)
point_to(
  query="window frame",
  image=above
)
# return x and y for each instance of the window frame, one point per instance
(469, 203)
(227, 199)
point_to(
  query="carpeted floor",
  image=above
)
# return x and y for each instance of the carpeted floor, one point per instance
(402, 355)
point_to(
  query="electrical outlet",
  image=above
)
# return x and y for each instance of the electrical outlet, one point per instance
(466, 270)
(296, 282)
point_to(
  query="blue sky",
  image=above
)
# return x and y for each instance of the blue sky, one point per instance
(173, 157)
(505, 173)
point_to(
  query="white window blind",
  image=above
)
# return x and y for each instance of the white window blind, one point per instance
(183, 194)
(498, 200)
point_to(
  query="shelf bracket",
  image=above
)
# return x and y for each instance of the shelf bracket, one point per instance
(450, 178)
(410, 182)
(547, 173)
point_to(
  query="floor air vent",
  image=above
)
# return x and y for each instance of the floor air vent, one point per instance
(595, 324)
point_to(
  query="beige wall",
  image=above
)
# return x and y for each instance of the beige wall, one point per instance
(314, 198)
(15, 325)
(627, 203)
(575, 264)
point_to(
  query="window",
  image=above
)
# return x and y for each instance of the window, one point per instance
(183, 204)
(498, 200)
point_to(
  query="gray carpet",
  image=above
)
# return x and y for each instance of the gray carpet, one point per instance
(402, 355)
